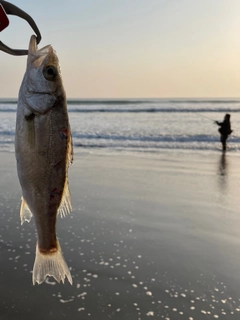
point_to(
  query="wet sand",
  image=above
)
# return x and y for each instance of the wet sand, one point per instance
(151, 236)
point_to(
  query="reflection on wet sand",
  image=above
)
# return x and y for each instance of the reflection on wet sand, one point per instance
(222, 173)
(223, 165)
(222, 181)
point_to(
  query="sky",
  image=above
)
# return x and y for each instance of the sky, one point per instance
(132, 48)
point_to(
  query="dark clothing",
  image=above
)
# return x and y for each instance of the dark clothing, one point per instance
(224, 130)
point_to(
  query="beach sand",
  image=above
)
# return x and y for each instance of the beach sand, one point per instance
(151, 236)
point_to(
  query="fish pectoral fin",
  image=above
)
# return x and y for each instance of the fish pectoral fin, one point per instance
(25, 212)
(51, 264)
(65, 205)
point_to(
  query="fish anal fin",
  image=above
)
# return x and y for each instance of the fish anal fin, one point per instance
(25, 212)
(65, 205)
(50, 264)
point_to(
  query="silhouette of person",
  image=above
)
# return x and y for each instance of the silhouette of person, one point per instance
(224, 130)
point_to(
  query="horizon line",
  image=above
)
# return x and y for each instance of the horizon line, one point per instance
(134, 98)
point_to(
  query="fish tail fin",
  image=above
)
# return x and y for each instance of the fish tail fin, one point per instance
(50, 264)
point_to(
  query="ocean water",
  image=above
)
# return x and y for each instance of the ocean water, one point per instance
(139, 124)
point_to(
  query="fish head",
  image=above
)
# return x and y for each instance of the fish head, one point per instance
(42, 80)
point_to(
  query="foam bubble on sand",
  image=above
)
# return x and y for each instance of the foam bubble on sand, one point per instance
(66, 301)
(82, 294)
(150, 314)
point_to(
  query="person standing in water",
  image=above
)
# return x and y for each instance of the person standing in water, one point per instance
(224, 130)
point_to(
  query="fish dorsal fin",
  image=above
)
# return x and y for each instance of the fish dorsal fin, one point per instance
(65, 205)
(25, 212)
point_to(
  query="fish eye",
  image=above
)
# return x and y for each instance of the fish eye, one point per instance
(50, 73)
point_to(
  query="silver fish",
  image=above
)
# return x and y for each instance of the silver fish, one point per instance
(43, 148)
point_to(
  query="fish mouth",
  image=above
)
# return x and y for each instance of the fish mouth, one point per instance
(33, 48)
(35, 55)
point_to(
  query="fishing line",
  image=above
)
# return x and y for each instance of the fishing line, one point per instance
(201, 115)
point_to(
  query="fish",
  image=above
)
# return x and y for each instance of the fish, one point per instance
(44, 151)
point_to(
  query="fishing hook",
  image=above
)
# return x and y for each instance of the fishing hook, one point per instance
(8, 8)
